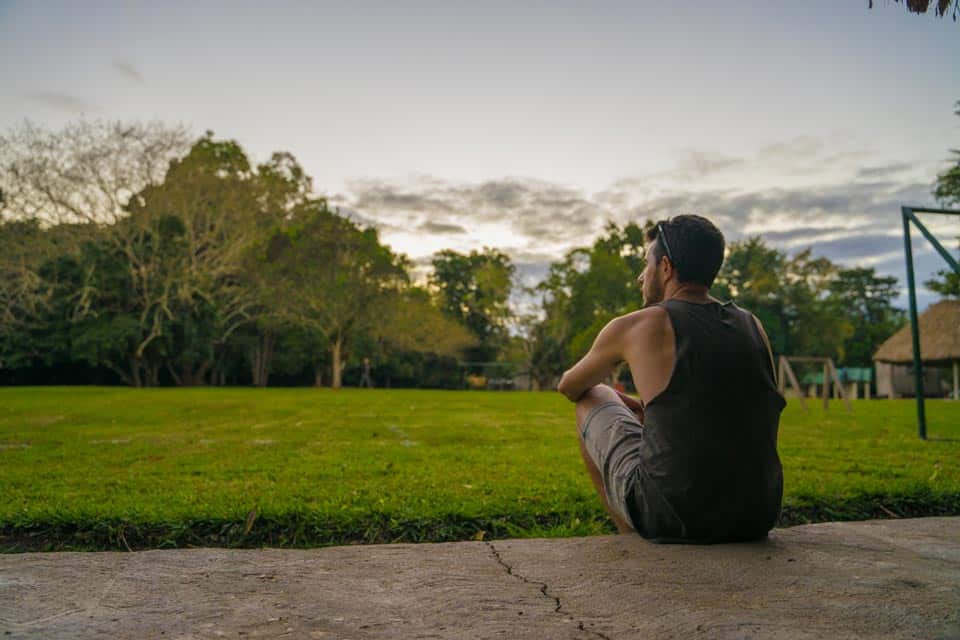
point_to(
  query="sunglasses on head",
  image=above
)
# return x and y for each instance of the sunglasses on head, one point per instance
(663, 240)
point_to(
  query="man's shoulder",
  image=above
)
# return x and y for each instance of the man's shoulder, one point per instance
(649, 322)
(647, 315)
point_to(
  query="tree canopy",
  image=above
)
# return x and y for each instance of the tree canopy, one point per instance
(940, 7)
(474, 290)
(212, 269)
(198, 272)
(947, 191)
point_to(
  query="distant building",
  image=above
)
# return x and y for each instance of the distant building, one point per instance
(939, 350)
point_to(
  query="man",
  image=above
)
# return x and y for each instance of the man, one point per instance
(695, 458)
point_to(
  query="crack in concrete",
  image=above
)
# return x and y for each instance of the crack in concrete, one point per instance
(544, 589)
(596, 633)
(543, 585)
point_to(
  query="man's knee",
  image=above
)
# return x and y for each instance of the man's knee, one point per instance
(593, 398)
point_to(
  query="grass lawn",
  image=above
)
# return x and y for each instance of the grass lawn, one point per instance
(98, 468)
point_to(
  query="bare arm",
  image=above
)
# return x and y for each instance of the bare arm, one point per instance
(605, 354)
(766, 340)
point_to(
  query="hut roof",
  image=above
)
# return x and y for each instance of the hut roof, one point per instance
(939, 336)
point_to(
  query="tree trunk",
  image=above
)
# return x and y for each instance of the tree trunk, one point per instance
(124, 375)
(255, 365)
(200, 375)
(135, 376)
(177, 380)
(262, 356)
(153, 374)
(190, 377)
(337, 381)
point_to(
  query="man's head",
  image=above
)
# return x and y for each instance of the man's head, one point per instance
(687, 250)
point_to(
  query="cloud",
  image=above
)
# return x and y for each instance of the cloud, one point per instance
(127, 70)
(348, 212)
(799, 148)
(531, 209)
(701, 163)
(853, 205)
(440, 227)
(375, 196)
(884, 171)
(860, 246)
(847, 221)
(842, 208)
(62, 102)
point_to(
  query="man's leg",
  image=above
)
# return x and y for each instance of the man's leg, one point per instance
(590, 400)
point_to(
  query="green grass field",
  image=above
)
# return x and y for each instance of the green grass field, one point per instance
(108, 468)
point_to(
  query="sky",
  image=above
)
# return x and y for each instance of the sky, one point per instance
(527, 126)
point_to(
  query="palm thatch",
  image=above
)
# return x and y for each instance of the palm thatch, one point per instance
(922, 6)
(939, 337)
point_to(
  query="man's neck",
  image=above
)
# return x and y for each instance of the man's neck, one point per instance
(688, 292)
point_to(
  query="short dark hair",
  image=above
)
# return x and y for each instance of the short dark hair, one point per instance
(696, 247)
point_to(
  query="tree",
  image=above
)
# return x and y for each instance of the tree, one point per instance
(106, 323)
(580, 294)
(866, 301)
(541, 348)
(23, 246)
(817, 324)
(947, 188)
(333, 276)
(34, 293)
(922, 6)
(283, 189)
(790, 296)
(948, 282)
(87, 171)
(411, 322)
(474, 290)
(205, 213)
(947, 191)
(84, 177)
(752, 275)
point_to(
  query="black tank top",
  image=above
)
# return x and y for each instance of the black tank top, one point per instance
(710, 469)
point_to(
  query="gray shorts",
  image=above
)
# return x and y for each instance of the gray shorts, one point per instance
(612, 435)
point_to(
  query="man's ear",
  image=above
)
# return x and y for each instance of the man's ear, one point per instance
(668, 268)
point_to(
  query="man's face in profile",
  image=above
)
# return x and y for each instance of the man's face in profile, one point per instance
(651, 283)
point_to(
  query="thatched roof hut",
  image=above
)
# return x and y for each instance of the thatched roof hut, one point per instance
(939, 346)
(939, 337)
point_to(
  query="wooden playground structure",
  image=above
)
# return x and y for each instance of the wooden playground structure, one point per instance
(786, 374)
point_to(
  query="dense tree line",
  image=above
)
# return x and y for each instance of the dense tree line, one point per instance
(132, 254)
(207, 271)
(808, 305)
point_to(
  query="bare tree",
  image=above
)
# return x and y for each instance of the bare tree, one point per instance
(88, 174)
(22, 295)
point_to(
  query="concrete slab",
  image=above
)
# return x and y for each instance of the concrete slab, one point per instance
(879, 579)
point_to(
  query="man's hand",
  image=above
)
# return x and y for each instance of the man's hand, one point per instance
(633, 404)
